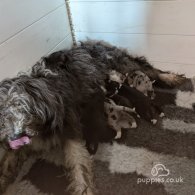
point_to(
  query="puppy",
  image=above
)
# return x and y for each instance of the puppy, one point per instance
(118, 118)
(144, 106)
(142, 83)
(117, 76)
(95, 131)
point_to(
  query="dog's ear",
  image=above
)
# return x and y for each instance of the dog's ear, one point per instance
(54, 57)
(44, 104)
(57, 57)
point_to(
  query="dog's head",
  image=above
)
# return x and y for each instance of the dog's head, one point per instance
(14, 114)
(26, 104)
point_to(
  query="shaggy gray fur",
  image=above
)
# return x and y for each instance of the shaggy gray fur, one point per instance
(51, 105)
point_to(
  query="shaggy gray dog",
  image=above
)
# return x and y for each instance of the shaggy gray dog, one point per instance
(48, 108)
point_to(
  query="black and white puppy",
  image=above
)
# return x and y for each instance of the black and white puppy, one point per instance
(119, 117)
(143, 104)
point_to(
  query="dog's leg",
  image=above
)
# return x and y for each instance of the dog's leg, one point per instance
(79, 162)
(171, 79)
(165, 79)
(10, 166)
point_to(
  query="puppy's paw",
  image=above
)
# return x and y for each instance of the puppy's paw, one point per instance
(153, 121)
(118, 135)
(162, 114)
(134, 125)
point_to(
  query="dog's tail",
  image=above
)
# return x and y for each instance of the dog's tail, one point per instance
(163, 79)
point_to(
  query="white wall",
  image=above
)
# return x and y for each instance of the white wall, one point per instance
(162, 30)
(30, 29)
